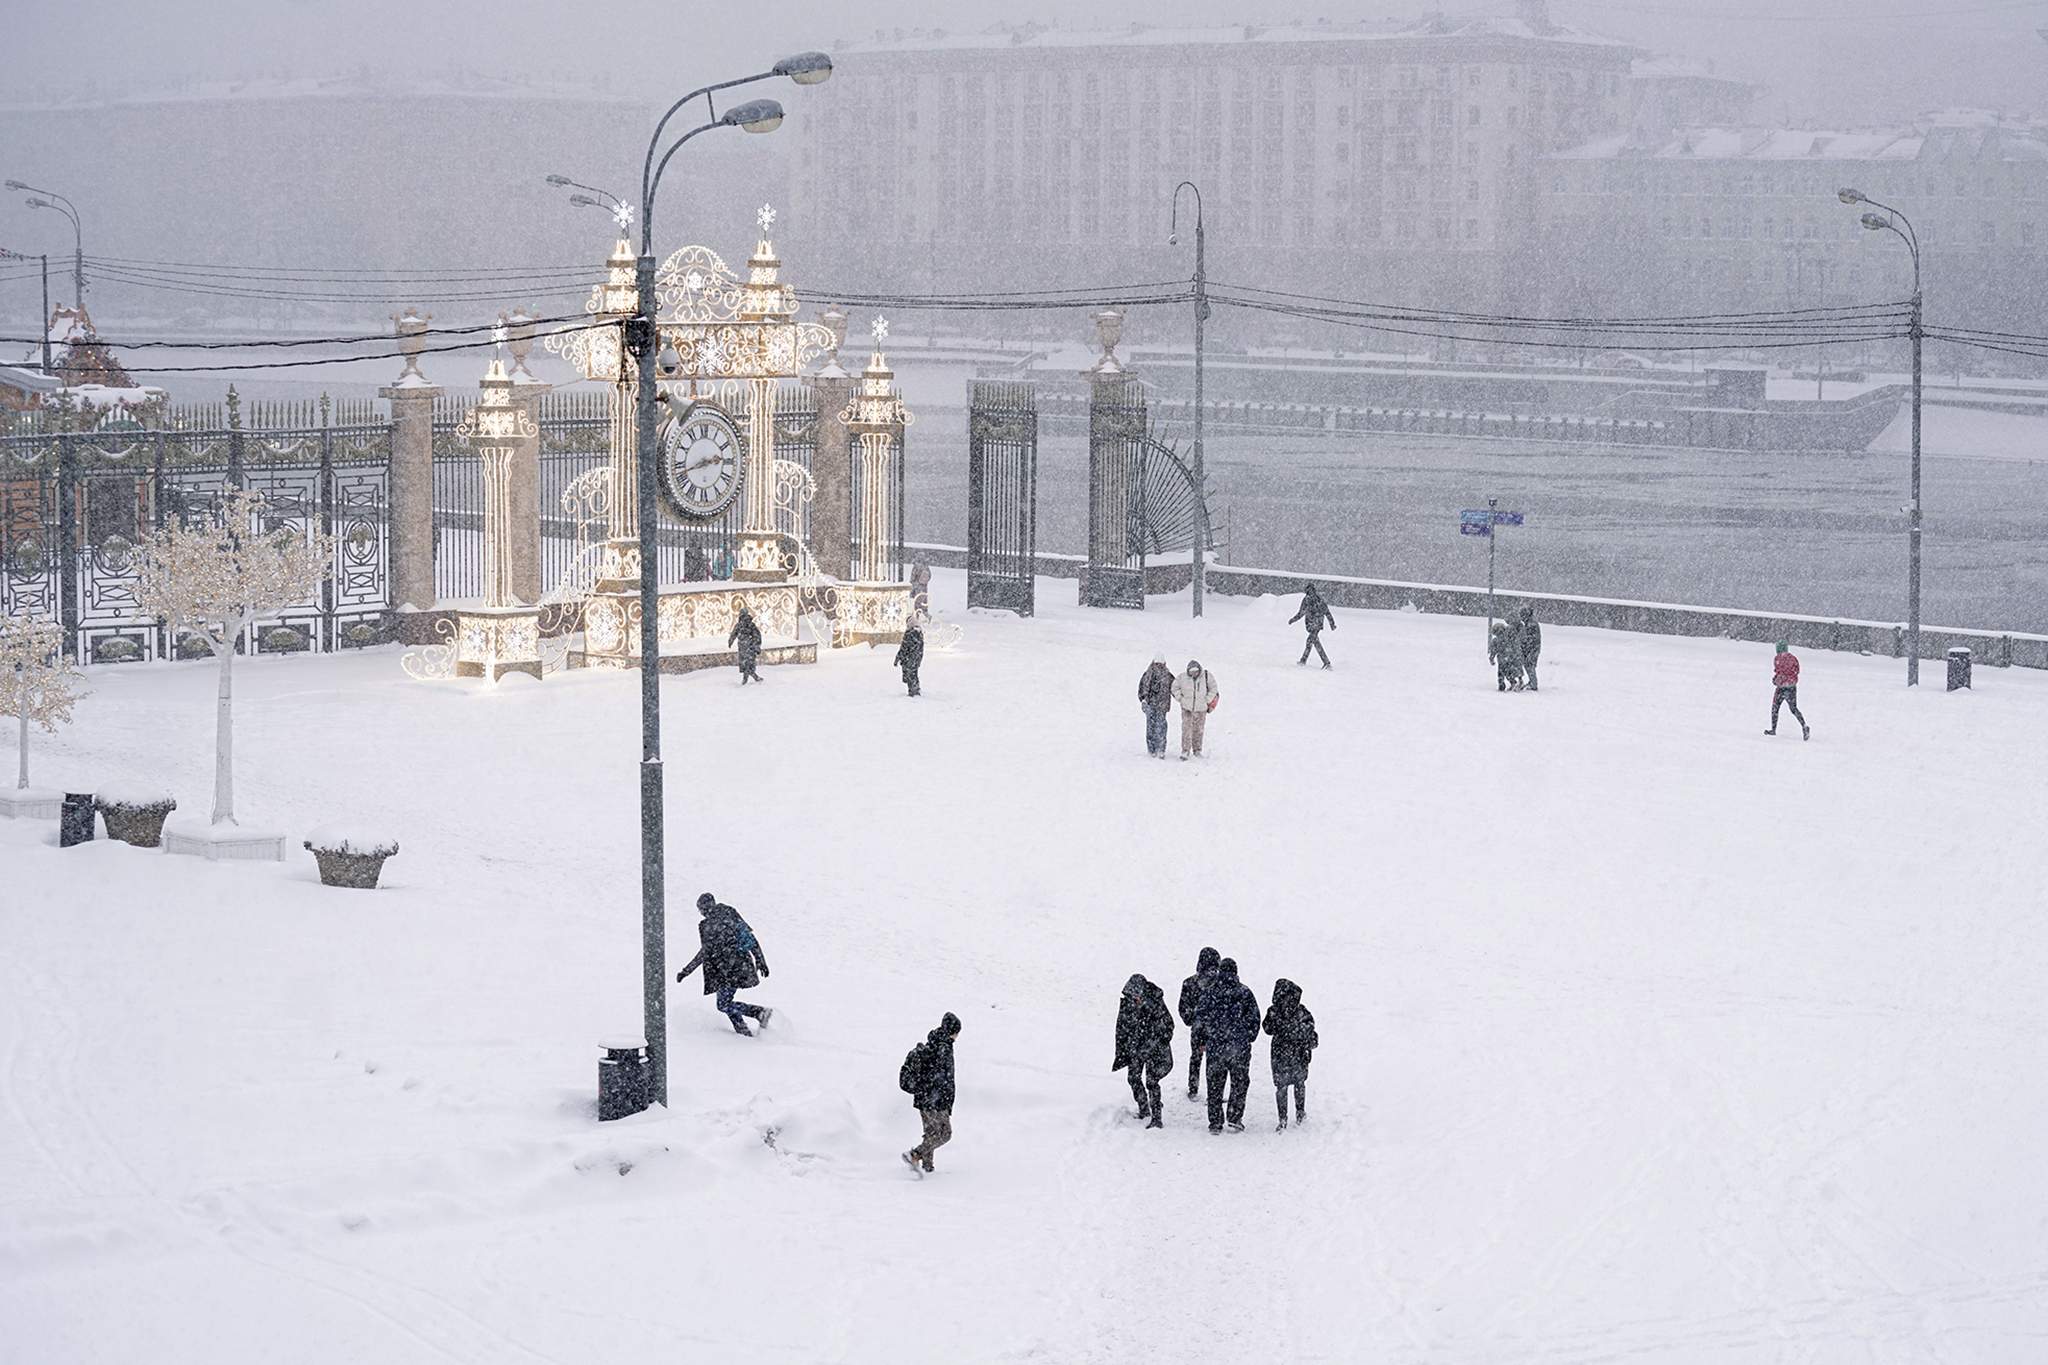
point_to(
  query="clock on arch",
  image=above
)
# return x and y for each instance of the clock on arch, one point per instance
(702, 460)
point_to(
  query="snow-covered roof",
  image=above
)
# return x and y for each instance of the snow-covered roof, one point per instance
(1664, 66)
(100, 396)
(1010, 36)
(28, 381)
(2000, 141)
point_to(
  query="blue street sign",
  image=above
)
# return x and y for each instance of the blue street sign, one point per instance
(1507, 518)
(1481, 517)
(1474, 528)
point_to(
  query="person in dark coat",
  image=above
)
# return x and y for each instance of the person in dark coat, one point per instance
(1531, 635)
(1315, 613)
(927, 1076)
(1191, 992)
(1505, 653)
(746, 634)
(1229, 1014)
(732, 961)
(1293, 1031)
(1155, 697)
(910, 654)
(1144, 1044)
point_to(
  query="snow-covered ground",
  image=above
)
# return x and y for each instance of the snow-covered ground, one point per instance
(1645, 1037)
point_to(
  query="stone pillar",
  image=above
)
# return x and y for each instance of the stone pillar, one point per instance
(1116, 422)
(832, 470)
(411, 486)
(523, 493)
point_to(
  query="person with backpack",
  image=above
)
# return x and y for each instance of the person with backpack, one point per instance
(1531, 637)
(1785, 689)
(1293, 1031)
(1144, 1045)
(1191, 992)
(927, 1077)
(1229, 1014)
(1315, 613)
(746, 634)
(1505, 653)
(1197, 694)
(1155, 694)
(732, 961)
(910, 654)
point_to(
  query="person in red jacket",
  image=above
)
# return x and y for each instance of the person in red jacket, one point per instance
(1785, 689)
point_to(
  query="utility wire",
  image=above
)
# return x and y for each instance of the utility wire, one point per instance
(384, 337)
(466, 272)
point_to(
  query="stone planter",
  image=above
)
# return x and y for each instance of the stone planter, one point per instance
(355, 863)
(136, 822)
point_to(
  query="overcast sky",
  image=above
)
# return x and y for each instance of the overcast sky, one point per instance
(1840, 61)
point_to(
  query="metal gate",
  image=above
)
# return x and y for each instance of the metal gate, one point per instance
(1115, 575)
(1002, 495)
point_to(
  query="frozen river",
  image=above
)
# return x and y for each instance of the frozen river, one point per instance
(1810, 534)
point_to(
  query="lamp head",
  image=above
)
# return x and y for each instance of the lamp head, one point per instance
(584, 201)
(35, 203)
(16, 185)
(558, 181)
(1875, 223)
(1173, 239)
(806, 68)
(756, 116)
(1849, 196)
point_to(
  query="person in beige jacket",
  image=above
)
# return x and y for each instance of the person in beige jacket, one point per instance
(1195, 690)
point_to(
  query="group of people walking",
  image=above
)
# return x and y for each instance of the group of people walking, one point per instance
(1192, 691)
(1223, 1023)
(744, 639)
(1513, 648)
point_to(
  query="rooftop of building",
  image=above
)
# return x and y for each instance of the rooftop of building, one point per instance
(1530, 26)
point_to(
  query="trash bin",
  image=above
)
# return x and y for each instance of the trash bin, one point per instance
(621, 1079)
(1958, 668)
(77, 818)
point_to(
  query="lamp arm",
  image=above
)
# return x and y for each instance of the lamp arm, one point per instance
(648, 175)
(647, 208)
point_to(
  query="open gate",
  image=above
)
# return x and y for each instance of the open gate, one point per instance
(1002, 495)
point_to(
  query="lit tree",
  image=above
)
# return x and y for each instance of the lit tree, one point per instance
(216, 579)
(37, 683)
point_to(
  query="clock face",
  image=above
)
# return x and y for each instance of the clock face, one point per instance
(703, 459)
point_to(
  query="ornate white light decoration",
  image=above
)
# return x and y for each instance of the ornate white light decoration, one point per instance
(494, 427)
(622, 214)
(765, 216)
(876, 416)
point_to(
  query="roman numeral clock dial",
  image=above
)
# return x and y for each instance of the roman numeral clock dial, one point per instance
(703, 458)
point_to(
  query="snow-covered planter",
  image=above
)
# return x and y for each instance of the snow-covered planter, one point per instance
(350, 855)
(135, 815)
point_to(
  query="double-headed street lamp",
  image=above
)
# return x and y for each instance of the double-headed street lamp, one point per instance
(52, 200)
(642, 340)
(1201, 316)
(1896, 223)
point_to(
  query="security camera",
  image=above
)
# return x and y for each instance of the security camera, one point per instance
(1173, 239)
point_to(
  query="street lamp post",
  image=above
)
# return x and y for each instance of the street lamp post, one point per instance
(755, 116)
(1201, 316)
(6, 255)
(52, 200)
(1915, 329)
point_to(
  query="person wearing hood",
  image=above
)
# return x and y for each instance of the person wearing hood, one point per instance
(1293, 1031)
(1191, 992)
(1315, 613)
(1229, 1014)
(1530, 635)
(1785, 689)
(927, 1076)
(1144, 1045)
(910, 654)
(746, 635)
(1197, 694)
(1504, 651)
(1155, 695)
(732, 961)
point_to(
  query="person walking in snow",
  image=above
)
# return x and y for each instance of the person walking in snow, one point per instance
(1506, 656)
(1530, 635)
(732, 961)
(1144, 1045)
(927, 1076)
(1155, 695)
(1197, 694)
(1229, 1014)
(1293, 1031)
(746, 634)
(1191, 992)
(1785, 689)
(910, 654)
(1315, 613)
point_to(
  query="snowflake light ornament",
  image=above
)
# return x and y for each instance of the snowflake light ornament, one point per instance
(765, 216)
(622, 214)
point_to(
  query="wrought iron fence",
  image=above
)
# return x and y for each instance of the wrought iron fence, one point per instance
(77, 501)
